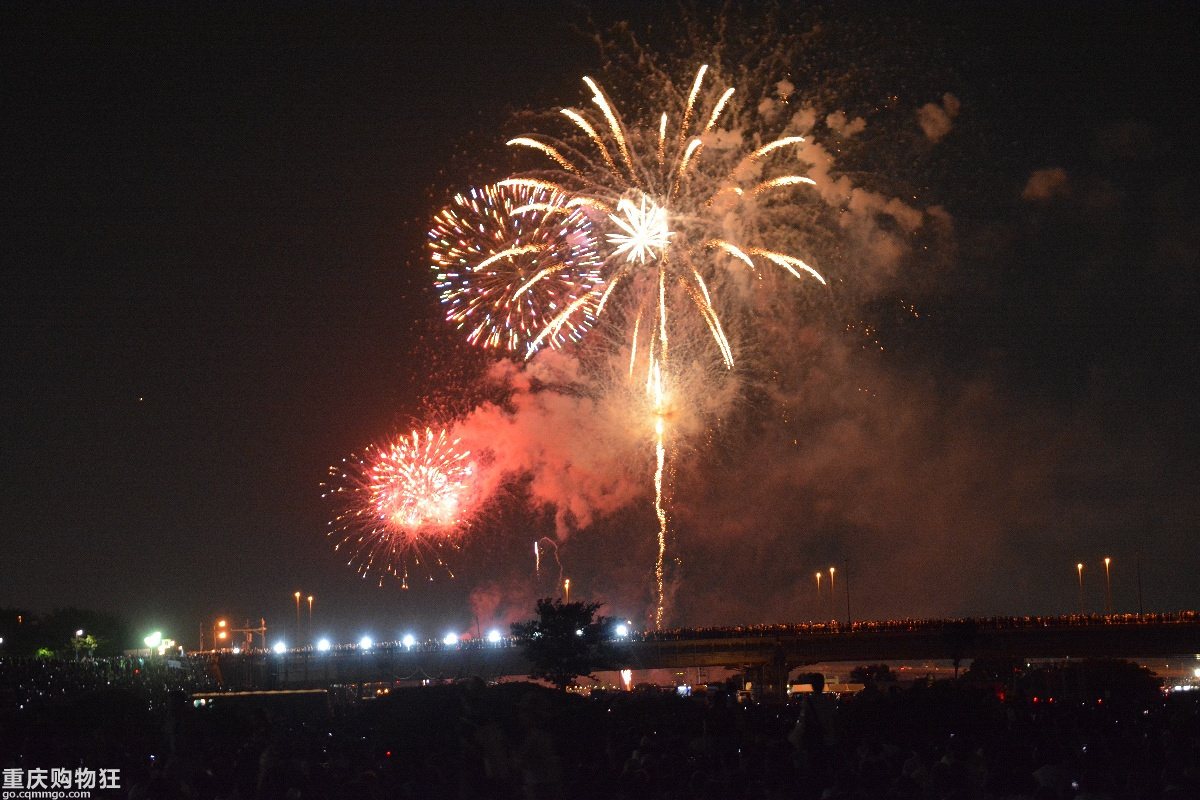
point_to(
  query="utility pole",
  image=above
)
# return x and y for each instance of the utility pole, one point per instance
(818, 597)
(1108, 603)
(1079, 569)
(1138, 554)
(832, 596)
(846, 583)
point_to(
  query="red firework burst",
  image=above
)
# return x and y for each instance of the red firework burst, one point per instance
(404, 501)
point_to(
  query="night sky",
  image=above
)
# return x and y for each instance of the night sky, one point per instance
(215, 285)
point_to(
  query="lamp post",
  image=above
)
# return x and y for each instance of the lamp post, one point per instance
(846, 583)
(152, 641)
(1108, 603)
(832, 595)
(1079, 569)
(1138, 555)
(310, 628)
(297, 619)
(818, 595)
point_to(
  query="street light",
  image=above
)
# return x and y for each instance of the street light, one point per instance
(152, 641)
(1108, 603)
(832, 594)
(297, 616)
(1079, 569)
(1137, 555)
(310, 615)
(818, 595)
(567, 587)
(846, 583)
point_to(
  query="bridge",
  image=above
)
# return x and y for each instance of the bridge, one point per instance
(768, 652)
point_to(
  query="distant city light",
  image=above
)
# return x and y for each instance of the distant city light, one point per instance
(280, 647)
(409, 640)
(323, 645)
(494, 637)
(451, 639)
(364, 643)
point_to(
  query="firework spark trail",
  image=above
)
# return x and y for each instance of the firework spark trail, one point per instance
(402, 501)
(537, 556)
(659, 509)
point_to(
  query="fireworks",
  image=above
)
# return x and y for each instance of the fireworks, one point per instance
(673, 207)
(509, 258)
(401, 502)
(665, 225)
(674, 197)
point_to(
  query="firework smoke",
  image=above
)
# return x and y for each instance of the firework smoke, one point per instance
(694, 317)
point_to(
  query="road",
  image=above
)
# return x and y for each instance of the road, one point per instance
(771, 651)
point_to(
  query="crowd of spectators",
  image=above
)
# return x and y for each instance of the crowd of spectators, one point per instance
(38, 684)
(912, 624)
(93, 713)
(935, 740)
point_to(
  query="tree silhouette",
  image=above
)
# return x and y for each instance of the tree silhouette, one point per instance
(566, 641)
(872, 675)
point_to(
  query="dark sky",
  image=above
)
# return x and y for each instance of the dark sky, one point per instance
(214, 286)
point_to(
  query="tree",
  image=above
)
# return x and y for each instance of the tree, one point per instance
(566, 641)
(999, 671)
(84, 645)
(104, 634)
(960, 637)
(1116, 681)
(872, 675)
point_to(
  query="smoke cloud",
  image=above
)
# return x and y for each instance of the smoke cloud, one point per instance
(937, 120)
(1046, 184)
(579, 452)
